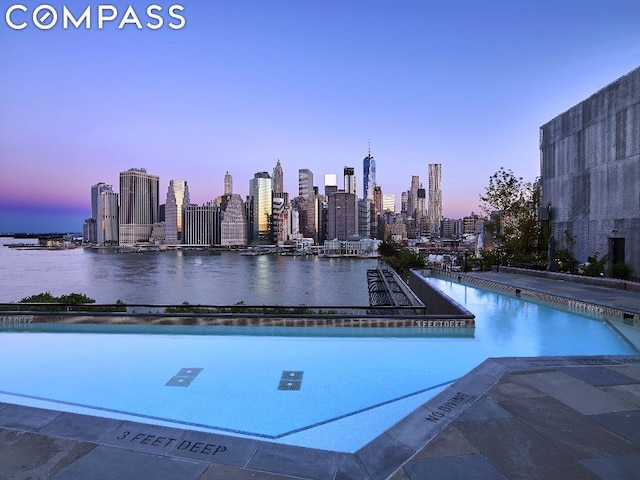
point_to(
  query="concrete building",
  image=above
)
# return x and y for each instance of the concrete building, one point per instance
(342, 216)
(590, 174)
(202, 225)
(228, 184)
(349, 180)
(233, 223)
(138, 205)
(330, 183)
(278, 180)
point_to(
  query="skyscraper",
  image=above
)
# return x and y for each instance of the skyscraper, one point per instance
(305, 182)
(138, 205)
(342, 216)
(233, 226)
(177, 199)
(349, 180)
(330, 183)
(368, 176)
(389, 202)
(278, 180)
(107, 219)
(260, 188)
(377, 199)
(96, 191)
(413, 196)
(435, 198)
(228, 184)
(202, 225)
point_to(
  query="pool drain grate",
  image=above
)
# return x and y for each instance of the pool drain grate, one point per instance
(290, 380)
(184, 377)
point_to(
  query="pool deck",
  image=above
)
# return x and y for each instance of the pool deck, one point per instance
(509, 418)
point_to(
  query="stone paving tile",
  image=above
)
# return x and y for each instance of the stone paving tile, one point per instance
(350, 468)
(628, 370)
(382, 456)
(225, 472)
(598, 376)
(519, 452)
(615, 468)
(294, 461)
(512, 386)
(625, 424)
(108, 463)
(576, 434)
(578, 395)
(30, 456)
(80, 427)
(472, 467)
(27, 418)
(483, 409)
(399, 475)
(628, 393)
(450, 442)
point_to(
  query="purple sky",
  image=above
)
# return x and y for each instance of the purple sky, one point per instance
(463, 83)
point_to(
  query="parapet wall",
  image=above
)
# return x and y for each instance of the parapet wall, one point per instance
(601, 282)
(436, 302)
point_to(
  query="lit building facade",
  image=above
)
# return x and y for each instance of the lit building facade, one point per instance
(138, 205)
(177, 199)
(389, 202)
(260, 188)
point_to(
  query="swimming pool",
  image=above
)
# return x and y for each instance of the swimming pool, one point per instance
(296, 386)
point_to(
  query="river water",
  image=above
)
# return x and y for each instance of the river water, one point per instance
(174, 277)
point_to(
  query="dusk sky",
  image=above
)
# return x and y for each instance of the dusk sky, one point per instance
(463, 83)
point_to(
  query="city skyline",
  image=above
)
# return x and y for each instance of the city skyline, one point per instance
(246, 83)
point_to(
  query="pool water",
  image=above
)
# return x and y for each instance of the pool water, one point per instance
(298, 386)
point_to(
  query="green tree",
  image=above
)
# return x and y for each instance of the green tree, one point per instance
(400, 258)
(512, 205)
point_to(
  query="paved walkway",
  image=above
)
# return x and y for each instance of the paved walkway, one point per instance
(535, 418)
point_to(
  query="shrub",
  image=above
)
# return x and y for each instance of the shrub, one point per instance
(623, 271)
(594, 266)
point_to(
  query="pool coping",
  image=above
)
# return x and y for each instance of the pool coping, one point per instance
(377, 460)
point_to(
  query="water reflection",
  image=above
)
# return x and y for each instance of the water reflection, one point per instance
(174, 277)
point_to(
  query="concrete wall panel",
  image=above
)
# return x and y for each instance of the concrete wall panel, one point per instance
(590, 170)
